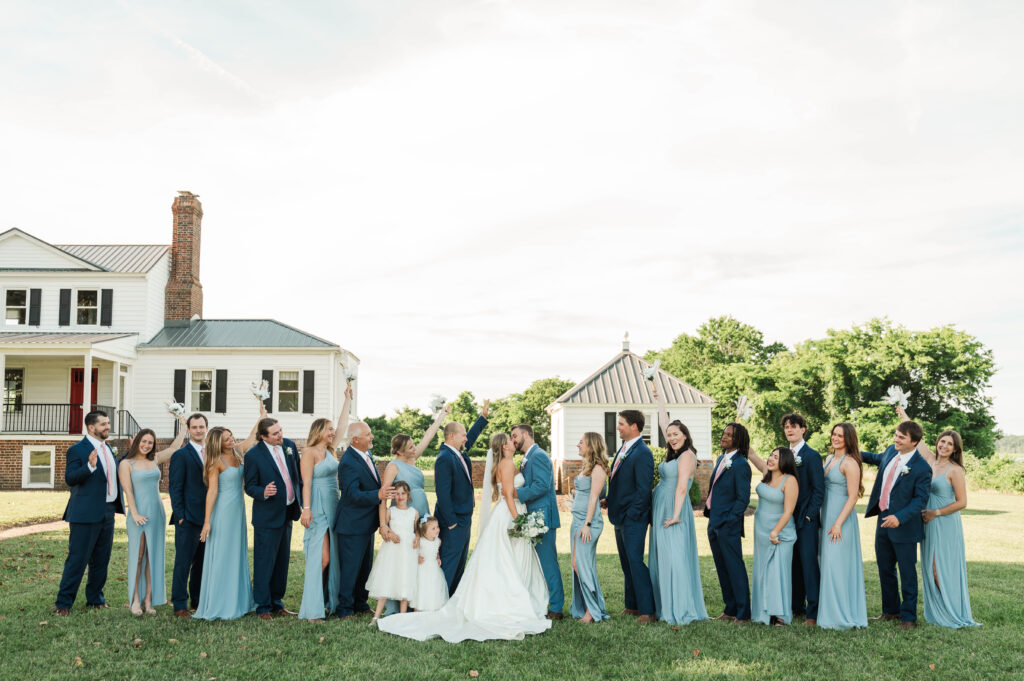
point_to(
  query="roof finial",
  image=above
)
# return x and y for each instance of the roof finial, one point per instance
(625, 342)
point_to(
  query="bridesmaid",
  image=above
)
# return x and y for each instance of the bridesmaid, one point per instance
(587, 522)
(675, 567)
(402, 467)
(841, 600)
(319, 469)
(947, 601)
(771, 600)
(145, 519)
(227, 587)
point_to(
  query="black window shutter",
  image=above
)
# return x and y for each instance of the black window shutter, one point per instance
(64, 318)
(179, 385)
(268, 376)
(35, 296)
(107, 307)
(661, 434)
(220, 386)
(611, 419)
(307, 391)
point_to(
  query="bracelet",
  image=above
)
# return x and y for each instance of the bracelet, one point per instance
(306, 508)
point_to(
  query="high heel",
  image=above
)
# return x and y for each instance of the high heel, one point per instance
(136, 610)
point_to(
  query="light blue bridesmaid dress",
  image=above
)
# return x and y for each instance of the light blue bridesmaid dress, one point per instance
(413, 476)
(146, 488)
(942, 551)
(675, 568)
(772, 592)
(586, 590)
(841, 601)
(227, 587)
(318, 597)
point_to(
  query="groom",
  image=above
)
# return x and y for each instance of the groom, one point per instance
(453, 484)
(538, 493)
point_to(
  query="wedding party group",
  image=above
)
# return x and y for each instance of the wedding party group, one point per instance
(807, 555)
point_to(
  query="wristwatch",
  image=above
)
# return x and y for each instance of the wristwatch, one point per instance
(588, 524)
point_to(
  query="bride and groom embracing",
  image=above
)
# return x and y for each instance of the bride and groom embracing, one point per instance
(507, 585)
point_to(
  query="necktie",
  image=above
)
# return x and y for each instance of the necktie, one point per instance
(464, 466)
(718, 474)
(284, 473)
(618, 459)
(202, 453)
(108, 464)
(890, 480)
(373, 469)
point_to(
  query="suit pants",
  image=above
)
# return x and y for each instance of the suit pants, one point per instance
(188, 566)
(629, 539)
(893, 556)
(89, 545)
(727, 550)
(806, 570)
(355, 553)
(454, 551)
(547, 552)
(271, 551)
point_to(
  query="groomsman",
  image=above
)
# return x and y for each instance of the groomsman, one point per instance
(453, 484)
(629, 510)
(727, 501)
(356, 520)
(91, 474)
(538, 493)
(899, 495)
(272, 480)
(188, 510)
(811, 477)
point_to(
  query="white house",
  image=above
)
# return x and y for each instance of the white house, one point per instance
(593, 405)
(120, 328)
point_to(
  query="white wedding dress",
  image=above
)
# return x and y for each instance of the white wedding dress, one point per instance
(502, 594)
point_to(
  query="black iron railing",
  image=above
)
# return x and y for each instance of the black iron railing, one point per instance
(49, 419)
(127, 426)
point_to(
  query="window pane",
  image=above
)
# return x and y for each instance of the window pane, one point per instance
(16, 298)
(204, 400)
(288, 401)
(15, 316)
(87, 299)
(39, 457)
(202, 380)
(86, 316)
(39, 476)
(14, 380)
(288, 381)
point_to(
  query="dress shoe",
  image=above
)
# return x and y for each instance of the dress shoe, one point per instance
(182, 613)
(907, 625)
(62, 612)
(741, 621)
(348, 617)
(284, 612)
(885, 616)
(644, 619)
(723, 616)
(552, 615)
(810, 623)
(630, 611)
(266, 616)
(98, 606)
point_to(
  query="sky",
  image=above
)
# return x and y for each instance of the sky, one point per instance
(474, 195)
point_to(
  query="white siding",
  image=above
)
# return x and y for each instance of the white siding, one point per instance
(16, 251)
(577, 419)
(156, 282)
(48, 379)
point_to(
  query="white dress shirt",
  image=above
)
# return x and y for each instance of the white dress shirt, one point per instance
(797, 447)
(102, 452)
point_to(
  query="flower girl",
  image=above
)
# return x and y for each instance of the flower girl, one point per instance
(394, 572)
(431, 589)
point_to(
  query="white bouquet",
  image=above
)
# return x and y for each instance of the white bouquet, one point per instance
(350, 374)
(652, 371)
(261, 391)
(529, 526)
(437, 403)
(175, 408)
(744, 410)
(895, 396)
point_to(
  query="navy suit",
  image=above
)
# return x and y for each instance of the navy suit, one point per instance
(629, 510)
(455, 501)
(355, 521)
(91, 520)
(271, 521)
(188, 511)
(538, 493)
(810, 475)
(730, 496)
(896, 547)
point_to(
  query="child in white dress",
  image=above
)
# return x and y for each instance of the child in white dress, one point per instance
(431, 588)
(394, 572)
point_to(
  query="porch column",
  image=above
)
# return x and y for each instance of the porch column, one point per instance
(86, 387)
(115, 391)
(3, 377)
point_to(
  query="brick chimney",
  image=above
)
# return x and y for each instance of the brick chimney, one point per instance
(183, 296)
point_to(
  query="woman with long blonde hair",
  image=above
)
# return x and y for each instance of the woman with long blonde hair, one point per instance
(587, 523)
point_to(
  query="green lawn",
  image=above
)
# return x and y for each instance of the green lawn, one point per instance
(113, 644)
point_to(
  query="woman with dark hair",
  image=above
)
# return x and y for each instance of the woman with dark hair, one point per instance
(774, 537)
(841, 600)
(947, 601)
(145, 520)
(675, 567)
(728, 499)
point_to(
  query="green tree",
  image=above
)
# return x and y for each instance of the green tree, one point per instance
(529, 406)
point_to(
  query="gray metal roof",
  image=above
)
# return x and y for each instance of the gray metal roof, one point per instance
(235, 333)
(621, 381)
(59, 338)
(118, 257)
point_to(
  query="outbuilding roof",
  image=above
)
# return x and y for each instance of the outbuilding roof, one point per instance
(129, 258)
(621, 381)
(36, 338)
(235, 333)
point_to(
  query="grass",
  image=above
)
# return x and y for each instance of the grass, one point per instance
(113, 644)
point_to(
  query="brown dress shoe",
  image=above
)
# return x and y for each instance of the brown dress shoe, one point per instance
(630, 611)
(885, 616)
(741, 621)
(61, 612)
(552, 615)
(644, 619)
(100, 606)
(907, 625)
(723, 616)
(182, 613)
(265, 616)
(284, 612)
(810, 623)
(348, 617)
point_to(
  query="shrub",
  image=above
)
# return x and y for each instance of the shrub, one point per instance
(1000, 473)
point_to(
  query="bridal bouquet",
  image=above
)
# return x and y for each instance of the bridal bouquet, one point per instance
(896, 396)
(437, 403)
(529, 526)
(261, 391)
(744, 410)
(350, 374)
(175, 408)
(652, 371)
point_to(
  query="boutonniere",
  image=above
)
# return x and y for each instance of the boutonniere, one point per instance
(287, 451)
(798, 460)
(728, 464)
(904, 470)
(113, 450)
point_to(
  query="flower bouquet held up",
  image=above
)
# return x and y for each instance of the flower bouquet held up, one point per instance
(261, 391)
(529, 526)
(437, 403)
(350, 374)
(177, 409)
(896, 397)
(744, 410)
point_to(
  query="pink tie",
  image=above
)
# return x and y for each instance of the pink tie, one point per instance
(464, 466)
(718, 474)
(284, 473)
(373, 469)
(890, 480)
(108, 459)
(618, 460)
(202, 453)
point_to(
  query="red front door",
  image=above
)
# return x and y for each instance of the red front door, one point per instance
(75, 425)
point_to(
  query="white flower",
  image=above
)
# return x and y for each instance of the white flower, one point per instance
(904, 470)
(743, 408)
(350, 374)
(652, 371)
(287, 451)
(261, 391)
(437, 402)
(113, 450)
(728, 464)
(896, 396)
(799, 461)
(175, 408)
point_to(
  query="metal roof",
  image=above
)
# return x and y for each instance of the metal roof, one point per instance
(118, 257)
(235, 333)
(59, 338)
(621, 381)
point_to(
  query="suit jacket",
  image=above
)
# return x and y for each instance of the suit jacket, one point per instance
(629, 490)
(908, 496)
(538, 490)
(88, 500)
(186, 487)
(810, 475)
(357, 507)
(455, 496)
(730, 494)
(260, 470)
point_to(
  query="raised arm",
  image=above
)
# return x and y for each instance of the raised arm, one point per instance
(250, 441)
(211, 499)
(922, 448)
(478, 426)
(662, 412)
(164, 455)
(124, 474)
(790, 491)
(78, 468)
(851, 471)
(428, 436)
(756, 461)
(342, 430)
(506, 473)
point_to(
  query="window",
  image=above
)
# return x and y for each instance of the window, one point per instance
(202, 390)
(288, 391)
(17, 308)
(649, 421)
(88, 307)
(37, 466)
(14, 386)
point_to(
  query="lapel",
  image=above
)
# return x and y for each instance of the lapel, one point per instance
(714, 471)
(462, 463)
(526, 460)
(273, 463)
(900, 476)
(625, 455)
(194, 455)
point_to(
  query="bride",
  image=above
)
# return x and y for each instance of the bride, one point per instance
(502, 594)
